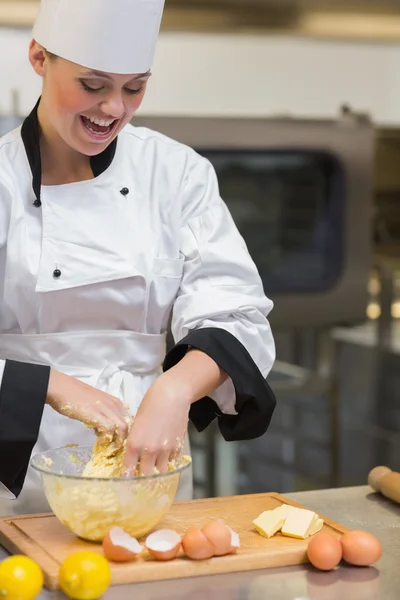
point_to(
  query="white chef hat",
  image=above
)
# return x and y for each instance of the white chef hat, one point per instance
(116, 36)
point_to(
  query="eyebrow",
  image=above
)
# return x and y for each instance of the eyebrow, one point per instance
(105, 76)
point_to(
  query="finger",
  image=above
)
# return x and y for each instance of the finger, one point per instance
(130, 461)
(129, 470)
(174, 456)
(148, 461)
(96, 420)
(105, 432)
(177, 450)
(117, 408)
(122, 407)
(119, 425)
(103, 439)
(162, 461)
(120, 435)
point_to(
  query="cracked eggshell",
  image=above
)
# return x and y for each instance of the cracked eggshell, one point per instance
(164, 544)
(235, 541)
(119, 546)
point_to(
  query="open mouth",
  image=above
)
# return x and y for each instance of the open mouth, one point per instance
(99, 129)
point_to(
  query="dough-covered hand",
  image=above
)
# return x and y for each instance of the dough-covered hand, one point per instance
(77, 400)
(157, 433)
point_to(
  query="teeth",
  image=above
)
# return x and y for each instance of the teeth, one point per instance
(101, 122)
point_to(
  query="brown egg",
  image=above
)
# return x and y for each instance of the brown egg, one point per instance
(119, 546)
(196, 545)
(361, 548)
(324, 551)
(163, 544)
(219, 535)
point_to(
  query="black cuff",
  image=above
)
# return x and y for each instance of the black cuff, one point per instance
(22, 398)
(255, 401)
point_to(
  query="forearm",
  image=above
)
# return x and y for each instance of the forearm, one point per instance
(194, 377)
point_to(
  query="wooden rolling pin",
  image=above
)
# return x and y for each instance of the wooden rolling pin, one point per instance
(386, 481)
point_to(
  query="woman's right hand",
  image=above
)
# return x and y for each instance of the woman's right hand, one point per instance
(99, 410)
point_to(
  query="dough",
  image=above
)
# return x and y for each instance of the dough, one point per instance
(108, 455)
(106, 460)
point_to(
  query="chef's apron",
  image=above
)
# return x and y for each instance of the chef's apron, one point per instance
(121, 363)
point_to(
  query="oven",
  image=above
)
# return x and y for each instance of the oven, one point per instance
(300, 192)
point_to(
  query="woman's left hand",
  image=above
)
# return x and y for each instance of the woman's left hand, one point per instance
(159, 427)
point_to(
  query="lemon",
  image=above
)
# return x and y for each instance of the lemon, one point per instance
(20, 578)
(85, 576)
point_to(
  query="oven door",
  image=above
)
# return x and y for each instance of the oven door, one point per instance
(289, 207)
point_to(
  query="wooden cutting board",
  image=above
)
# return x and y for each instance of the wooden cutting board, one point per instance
(48, 542)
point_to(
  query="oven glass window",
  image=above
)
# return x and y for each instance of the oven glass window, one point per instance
(288, 206)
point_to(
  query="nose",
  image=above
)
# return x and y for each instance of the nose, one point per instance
(113, 106)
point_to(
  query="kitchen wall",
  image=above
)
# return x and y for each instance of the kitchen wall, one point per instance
(243, 75)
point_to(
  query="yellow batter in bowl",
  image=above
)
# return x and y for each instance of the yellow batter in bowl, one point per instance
(89, 504)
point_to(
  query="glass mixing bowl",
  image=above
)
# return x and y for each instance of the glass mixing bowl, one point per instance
(89, 507)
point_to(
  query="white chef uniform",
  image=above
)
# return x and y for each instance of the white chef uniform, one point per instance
(89, 275)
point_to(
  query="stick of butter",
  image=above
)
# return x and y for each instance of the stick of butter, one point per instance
(300, 523)
(318, 527)
(285, 509)
(271, 521)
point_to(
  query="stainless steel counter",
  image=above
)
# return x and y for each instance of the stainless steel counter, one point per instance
(356, 508)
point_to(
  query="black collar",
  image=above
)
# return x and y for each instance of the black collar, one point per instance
(30, 138)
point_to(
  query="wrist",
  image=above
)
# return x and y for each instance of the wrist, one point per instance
(53, 387)
(176, 387)
(195, 376)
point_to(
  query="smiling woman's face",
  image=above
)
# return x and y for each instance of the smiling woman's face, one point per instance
(86, 108)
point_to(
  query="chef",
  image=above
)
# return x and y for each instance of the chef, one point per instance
(108, 232)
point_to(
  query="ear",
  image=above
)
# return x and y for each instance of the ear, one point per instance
(37, 58)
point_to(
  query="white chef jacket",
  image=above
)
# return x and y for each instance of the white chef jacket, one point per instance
(91, 273)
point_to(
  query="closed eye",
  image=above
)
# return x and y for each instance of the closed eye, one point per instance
(93, 90)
